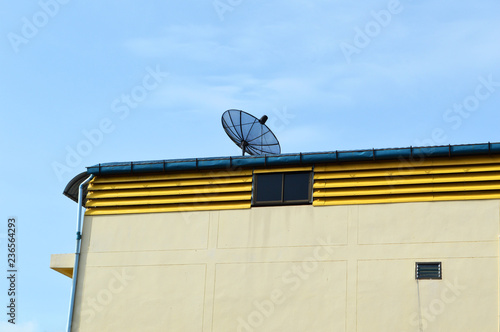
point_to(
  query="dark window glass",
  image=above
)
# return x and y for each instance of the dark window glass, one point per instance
(296, 187)
(269, 187)
(282, 188)
(428, 270)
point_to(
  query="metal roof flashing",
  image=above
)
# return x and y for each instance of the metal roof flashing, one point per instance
(294, 159)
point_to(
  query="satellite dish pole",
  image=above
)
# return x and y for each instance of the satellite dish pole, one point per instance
(244, 145)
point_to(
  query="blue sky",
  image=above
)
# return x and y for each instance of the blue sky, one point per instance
(84, 82)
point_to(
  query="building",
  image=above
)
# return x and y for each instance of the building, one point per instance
(374, 240)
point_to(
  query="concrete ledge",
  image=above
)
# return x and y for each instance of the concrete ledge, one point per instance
(63, 263)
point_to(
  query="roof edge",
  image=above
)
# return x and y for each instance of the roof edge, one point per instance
(294, 159)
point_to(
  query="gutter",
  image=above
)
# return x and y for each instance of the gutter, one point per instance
(79, 224)
(197, 164)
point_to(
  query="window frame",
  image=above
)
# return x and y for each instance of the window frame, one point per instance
(255, 188)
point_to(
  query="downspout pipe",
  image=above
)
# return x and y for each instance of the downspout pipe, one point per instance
(79, 224)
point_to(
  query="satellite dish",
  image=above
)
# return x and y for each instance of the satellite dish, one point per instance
(249, 133)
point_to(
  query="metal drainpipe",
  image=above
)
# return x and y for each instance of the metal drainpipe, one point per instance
(79, 223)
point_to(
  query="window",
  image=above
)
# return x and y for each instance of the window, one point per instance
(282, 188)
(428, 270)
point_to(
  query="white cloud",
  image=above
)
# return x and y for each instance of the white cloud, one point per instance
(182, 94)
(190, 40)
(262, 61)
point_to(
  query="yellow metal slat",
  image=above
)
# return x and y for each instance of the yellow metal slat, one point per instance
(406, 198)
(170, 191)
(423, 162)
(402, 180)
(194, 199)
(170, 176)
(173, 183)
(168, 208)
(416, 189)
(394, 172)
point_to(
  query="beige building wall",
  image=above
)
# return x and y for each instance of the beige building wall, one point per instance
(292, 268)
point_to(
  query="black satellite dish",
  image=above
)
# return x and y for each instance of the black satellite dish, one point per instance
(249, 133)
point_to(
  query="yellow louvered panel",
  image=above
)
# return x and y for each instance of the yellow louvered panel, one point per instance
(167, 208)
(189, 191)
(418, 189)
(171, 176)
(170, 191)
(334, 184)
(408, 198)
(423, 162)
(400, 181)
(405, 180)
(174, 183)
(409, 171)
(195, 199)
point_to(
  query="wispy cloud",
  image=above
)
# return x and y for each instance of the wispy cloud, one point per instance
(190, 40)
(258, 63)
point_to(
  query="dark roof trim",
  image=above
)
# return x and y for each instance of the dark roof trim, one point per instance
(71, 189)
(293, 159)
